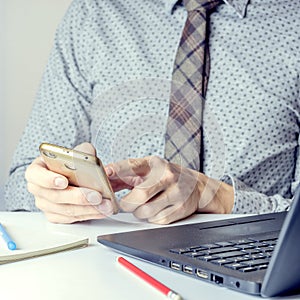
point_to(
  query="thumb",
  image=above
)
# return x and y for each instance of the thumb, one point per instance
(86, 148)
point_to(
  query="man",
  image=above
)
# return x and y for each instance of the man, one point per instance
(106, 52)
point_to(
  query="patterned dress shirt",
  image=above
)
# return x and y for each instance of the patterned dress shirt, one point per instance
(107, 82)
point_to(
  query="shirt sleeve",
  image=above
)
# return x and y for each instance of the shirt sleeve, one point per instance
(60, 113)
(248, 200)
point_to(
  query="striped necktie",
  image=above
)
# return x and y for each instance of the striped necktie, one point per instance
(188, 89)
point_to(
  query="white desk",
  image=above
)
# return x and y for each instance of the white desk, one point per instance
(92, 273)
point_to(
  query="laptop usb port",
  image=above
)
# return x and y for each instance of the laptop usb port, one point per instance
(175, 266)
(202, 274)
(217, 279)
(188, 270)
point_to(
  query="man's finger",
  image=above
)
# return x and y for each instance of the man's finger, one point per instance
(129, 167)
(86, 148)
(157, 204)
(38, 174)
(70, 195)
(141, 194)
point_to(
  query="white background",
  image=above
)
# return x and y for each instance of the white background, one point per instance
(27, 31)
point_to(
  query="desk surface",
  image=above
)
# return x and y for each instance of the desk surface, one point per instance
(92, 272)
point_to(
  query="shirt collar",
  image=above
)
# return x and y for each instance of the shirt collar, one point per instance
(239, 6)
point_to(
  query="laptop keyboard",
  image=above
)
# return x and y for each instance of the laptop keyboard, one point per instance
(244, 255)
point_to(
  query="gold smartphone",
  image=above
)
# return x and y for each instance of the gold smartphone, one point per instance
(80, 168)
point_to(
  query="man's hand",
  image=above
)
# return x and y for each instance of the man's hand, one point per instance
(61, 202)
(163, 192)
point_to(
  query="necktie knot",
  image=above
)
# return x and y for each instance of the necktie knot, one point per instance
(206, 5)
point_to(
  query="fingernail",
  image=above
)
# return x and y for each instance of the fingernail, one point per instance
(94, 198)
(109, 171)
(60, 182)
(105, 208)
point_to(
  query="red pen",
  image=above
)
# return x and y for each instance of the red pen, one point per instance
(149, 279)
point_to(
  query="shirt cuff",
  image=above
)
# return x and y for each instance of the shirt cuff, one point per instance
(249, 201)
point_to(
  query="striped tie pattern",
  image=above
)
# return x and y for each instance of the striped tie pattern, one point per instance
(188, 89)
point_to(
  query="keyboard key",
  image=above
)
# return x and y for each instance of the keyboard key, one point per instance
(180, 250)
(195, 254)
(208, 257)
(247, 269)
(268, 249)
(258, 256)
(210, 246)
(268, 254)
(197, 248)
(256, 262)
(272, 243)
(221, 250)
(234, 266)
(269, 240)
(251, 251)
(222, 261)
(245, 246)
(241, 241)
(224, 244)
(273, 237)
(241, 258)
(263, 267)
(231, 254)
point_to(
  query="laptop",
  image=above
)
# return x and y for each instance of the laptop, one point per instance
(256, 255)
